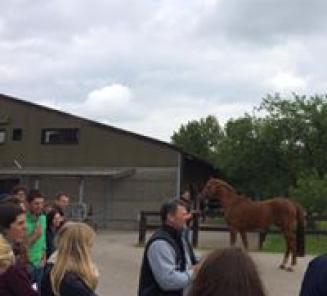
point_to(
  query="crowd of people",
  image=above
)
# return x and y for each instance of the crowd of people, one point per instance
(43, 253)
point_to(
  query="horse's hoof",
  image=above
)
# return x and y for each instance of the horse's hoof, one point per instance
(282, 266)
(290, 269)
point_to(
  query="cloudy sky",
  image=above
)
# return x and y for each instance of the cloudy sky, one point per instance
(148, 66)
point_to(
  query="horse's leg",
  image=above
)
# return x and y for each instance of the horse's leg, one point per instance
(290, 244)
(293, 251)
(233, 234)
(244, 239)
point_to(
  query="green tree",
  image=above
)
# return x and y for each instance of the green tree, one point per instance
(269, 152)
(199, 137)
(311, 192)
(301, 123)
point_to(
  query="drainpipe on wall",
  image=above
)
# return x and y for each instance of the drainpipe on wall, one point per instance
(81, 190)
(37, 183)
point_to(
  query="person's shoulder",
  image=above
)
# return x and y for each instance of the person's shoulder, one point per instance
(319, 260)
(159, 243)
(43, 217)
(29, 218)
(16, 267)
(159, 236)
(72, 283)
(16, 270)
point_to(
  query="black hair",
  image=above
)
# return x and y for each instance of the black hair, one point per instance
(60, 194)
(169, 207)
(8, 214)
(33, 194)
(51, 214)
(11, 199)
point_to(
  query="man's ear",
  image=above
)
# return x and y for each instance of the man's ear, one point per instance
(170, 217)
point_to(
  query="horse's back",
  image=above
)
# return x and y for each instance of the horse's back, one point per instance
(250, 215)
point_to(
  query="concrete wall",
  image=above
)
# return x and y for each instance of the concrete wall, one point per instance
(116, 203)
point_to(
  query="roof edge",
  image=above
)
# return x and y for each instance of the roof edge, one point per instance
(107, 126)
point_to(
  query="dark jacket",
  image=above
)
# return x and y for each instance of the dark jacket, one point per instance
(71, 285)
(148, 286)
(50, 247)
(315, 278)
(15, 282)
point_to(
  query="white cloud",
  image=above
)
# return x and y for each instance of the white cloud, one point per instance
(109, 104)
(114, 97)
(151, 65)
(284, 81)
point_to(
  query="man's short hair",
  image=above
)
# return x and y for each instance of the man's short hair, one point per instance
(11, 199)
(18, 188)
(169, 207)
(33, 194)
(60, 194)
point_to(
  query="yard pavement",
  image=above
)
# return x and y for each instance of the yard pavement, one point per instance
(119, 259)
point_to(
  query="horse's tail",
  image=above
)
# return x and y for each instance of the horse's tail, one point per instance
(300, 234)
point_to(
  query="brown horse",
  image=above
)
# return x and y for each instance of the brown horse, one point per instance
(243, 214)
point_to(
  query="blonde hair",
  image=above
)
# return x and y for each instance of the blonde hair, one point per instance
(7, 257)
(74, 241)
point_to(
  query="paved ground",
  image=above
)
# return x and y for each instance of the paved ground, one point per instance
(119, 261)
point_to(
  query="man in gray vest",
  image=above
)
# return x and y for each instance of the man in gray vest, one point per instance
(168, 260)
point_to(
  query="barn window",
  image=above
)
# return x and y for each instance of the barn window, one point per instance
(60, 136)
(2, 136)
(17, 134)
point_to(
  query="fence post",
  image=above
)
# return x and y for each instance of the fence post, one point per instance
(195, 228)
(142, 228)
(262, 238)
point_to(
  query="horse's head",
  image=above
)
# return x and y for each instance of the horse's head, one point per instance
(216, 189)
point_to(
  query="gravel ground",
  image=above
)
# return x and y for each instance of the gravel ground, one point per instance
(119, 260)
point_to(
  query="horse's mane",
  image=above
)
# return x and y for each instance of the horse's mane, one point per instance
(244, 198)
(219, 182)
(240, 197)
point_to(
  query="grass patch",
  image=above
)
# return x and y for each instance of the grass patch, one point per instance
(215, 221)
(315, 244)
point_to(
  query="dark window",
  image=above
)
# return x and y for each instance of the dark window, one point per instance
(2, 136)
(60, 136)
(17, 134)
(6, 185)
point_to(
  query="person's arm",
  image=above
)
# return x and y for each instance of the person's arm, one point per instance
(19, 282)
(161, 256)
(30, 239)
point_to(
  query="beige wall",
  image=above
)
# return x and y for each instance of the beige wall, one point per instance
(99, 146)
(115, 203)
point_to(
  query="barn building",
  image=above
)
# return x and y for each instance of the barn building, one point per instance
(116, 172)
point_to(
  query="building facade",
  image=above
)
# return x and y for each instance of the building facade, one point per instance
(115, 172)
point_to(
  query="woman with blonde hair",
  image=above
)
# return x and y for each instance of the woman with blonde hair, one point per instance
(70, 270)
(13, 277)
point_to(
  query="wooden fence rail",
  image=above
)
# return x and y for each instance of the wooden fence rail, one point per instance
(196, 226)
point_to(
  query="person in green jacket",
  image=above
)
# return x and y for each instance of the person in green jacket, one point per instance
(36, 235)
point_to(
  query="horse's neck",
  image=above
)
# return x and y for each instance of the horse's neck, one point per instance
(228, 199)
